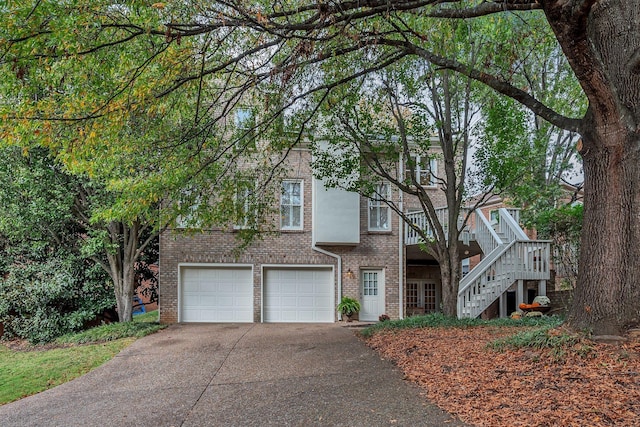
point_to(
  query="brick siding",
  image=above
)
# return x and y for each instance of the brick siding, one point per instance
(376, 250)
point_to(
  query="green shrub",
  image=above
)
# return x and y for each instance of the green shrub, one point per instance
(536, 338)
(141, 326)
(439, 320)
(40, 301)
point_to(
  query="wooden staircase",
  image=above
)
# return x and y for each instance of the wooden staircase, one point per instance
(510, 256)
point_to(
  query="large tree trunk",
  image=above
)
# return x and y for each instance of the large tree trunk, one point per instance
(602, 43)
(607, 295)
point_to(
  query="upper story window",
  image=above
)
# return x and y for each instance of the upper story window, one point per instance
(244, 118)
(291, 205)
(241, 208)
(189, 204)
(379, 211)
(245, 128)
(426, 170)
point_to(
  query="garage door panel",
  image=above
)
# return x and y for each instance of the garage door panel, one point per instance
(298, 295)
(216, 294)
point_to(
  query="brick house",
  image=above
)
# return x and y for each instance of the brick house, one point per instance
(331, 243)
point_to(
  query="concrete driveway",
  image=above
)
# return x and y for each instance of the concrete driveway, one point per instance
(235, 375)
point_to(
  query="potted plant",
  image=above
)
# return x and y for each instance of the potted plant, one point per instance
(348, 307)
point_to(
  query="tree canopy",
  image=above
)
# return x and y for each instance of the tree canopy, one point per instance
(100, 80)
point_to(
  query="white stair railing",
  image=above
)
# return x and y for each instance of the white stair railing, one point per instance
(509, 227)
(511, 257)
(486, 236)
(518, 260)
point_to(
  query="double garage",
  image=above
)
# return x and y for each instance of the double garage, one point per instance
(226, 294)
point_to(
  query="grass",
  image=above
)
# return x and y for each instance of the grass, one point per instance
(23, 373)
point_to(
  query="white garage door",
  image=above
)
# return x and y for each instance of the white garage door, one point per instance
(217, 294)
(298, 295)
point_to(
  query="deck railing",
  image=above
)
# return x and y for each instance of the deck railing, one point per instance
(509, 256)
(419, 219)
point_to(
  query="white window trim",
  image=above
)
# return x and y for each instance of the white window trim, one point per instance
(380, 204)
(433, 170)
(245, 224)
(292, 227)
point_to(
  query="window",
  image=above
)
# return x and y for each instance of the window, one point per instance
(291, 202)
(370, 283)
(412, 295)
(245, 128)
(241, 208)
(244, 118)
(494, 217)
(189, 204)
(426, 170)
(379, 211)
(465, 267)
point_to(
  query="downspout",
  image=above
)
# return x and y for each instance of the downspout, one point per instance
(401, 226)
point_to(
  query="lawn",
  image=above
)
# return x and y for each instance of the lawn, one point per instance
(32, 369)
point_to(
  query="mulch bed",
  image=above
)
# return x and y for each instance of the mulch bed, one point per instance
(589, 384)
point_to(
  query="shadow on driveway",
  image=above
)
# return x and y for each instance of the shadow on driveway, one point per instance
(236, 375)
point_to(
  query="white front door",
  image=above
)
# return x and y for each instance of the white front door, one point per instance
(372, 292)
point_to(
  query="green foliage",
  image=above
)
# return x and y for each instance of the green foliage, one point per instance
(564, 227)
(503, 131)
(565, 221)
(40, 301)
(537, 338)
(142, 325)
(349, 306)
(560, 343)
(439, 320)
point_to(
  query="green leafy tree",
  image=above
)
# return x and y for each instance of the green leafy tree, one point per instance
(563, 225)
(142, 56)
(46, 287)
(525, 158)
(388, 126)
(48, 213)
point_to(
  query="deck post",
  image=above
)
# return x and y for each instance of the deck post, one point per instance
(542, 288)
(503, 304)
(520, 293)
